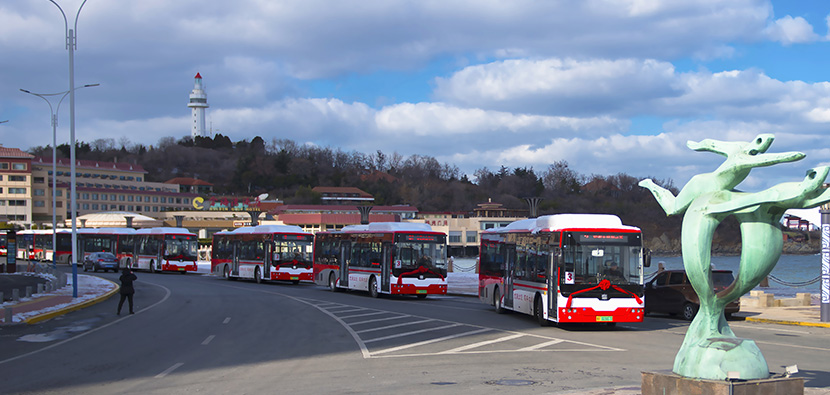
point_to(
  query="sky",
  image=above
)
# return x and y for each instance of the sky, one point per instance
(607, 86)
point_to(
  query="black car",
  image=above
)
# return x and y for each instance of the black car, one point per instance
(670, 292)
(101, 261)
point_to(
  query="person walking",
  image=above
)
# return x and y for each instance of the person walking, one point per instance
(127, 290)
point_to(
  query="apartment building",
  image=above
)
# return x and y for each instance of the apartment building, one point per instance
(15, 185)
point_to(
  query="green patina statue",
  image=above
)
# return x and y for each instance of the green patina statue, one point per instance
(710, 349)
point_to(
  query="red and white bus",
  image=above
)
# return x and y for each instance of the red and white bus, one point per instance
(263, 252)
(119, 241)
(38, 244)
(569, 268)
(165, 249)
(395, 258)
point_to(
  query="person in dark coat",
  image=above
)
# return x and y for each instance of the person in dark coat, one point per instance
(127, 290)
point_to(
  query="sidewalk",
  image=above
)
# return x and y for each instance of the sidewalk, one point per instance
(43, 306)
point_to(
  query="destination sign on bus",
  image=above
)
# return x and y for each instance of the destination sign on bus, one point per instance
(421, 238)
(295, 237)
(602, 238)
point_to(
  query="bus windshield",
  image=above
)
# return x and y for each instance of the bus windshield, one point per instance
(180, 247)
(414, 255)
(292, 253)
(591, 258)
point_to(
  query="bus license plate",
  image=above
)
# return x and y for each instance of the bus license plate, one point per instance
(420, 291)
(295, 278)
(181, 269)
(605, 318)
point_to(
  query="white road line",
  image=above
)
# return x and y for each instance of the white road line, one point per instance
(410, 333)
(349, 311)
(381, 319)
(364, 315)
(541, 345)
(769, 329)
(394, 326)
(228, 319)
(479, 344)
(207, 341)
(169, 370)
(405, 346)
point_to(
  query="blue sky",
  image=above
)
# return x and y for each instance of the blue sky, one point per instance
(608, 86)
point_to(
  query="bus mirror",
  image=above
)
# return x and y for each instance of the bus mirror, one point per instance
(646, 257)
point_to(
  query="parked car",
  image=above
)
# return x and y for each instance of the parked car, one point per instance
(670, 292)
(101, 261)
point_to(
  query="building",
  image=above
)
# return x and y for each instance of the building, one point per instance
(464, 229)
(100, 186)
(192, 185)
(15, 186)
(343, 195)
(321, 217)
(198, 103)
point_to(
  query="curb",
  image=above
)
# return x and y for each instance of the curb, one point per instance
(53, 314)
(785, 322)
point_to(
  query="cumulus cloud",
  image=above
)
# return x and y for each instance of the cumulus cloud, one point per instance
(789, 30)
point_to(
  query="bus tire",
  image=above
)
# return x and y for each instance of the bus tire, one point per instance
(538, 313)
(257, 276)
(332, 282)
(497, 302)
(373, 288)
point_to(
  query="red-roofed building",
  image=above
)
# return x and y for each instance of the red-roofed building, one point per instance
(15, 185)
(191, 185)
(343, 195)
(315, 218)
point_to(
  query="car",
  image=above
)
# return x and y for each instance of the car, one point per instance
(670, 292)
(101, 261)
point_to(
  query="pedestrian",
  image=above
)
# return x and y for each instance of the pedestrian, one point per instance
(127, 290)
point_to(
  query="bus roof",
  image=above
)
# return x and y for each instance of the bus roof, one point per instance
(379, 227)
(565, 221)
(164, 230)
(267, 229)
(114, 231)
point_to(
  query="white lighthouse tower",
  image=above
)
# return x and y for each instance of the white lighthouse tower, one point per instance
(198, 104)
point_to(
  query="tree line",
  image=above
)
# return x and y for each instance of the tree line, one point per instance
(288, 171)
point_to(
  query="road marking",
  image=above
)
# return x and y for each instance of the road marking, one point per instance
(169, 370)
(363, 315)
(541, 345)
(349, 311)
(397, 317)
(430, 341)
(228, 319)
(768, 329)
(480, 344)
(209, 338)
(394, 326)
(395, 336)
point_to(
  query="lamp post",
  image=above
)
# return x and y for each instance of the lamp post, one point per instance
(54, 119)
(70, 46)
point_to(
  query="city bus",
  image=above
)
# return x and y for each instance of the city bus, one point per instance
(566, 268)
(118, 241)
(37, 243)
(165, 249)
(263, 252)
(395, 258)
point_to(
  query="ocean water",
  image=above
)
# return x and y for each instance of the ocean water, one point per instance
(789, 269)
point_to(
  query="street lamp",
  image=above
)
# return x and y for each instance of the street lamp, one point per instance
(54, 118)
(70, 45)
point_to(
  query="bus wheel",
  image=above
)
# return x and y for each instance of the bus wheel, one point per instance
(537, 311)
(497, 301)
(332, 283)
(373, 288)
(257, 276)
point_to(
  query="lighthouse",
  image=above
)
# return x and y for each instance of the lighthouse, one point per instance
(198, 104)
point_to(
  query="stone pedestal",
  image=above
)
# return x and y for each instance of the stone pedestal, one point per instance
(668, 383)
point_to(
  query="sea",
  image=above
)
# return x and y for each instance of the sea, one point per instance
(790, 269)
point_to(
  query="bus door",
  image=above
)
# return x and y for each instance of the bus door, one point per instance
(268, 260)
(345, 260)
(385, 270)
(510, 266)
(237, 250)
(553, 281)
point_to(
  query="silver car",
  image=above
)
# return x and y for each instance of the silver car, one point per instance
(101, 261)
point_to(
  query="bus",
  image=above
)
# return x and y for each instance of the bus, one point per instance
(38, 244)
(118, 241)
(263, 252)
(394, 258)
(565, 268)
(165, 249)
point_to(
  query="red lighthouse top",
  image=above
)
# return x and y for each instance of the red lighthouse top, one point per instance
(199, 76)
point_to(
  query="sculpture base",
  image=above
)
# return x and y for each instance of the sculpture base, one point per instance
(666, 383)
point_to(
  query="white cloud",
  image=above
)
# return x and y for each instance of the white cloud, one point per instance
(789, 30)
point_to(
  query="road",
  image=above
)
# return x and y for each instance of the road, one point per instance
(194, 333)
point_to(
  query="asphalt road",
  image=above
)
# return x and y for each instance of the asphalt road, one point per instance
(194, 333)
